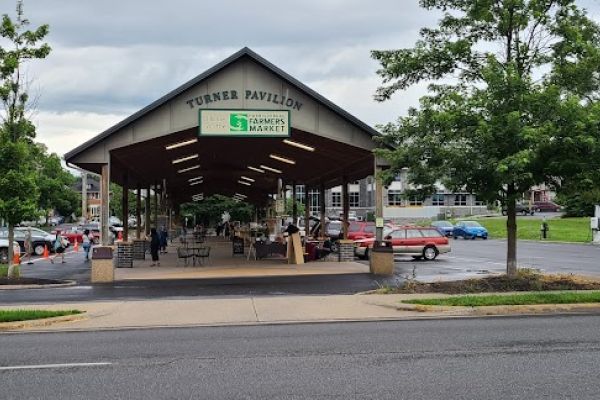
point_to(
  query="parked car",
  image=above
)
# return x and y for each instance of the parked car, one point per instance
(38, 232)
(415, 241)
(361, 230)
(546, 206)
(523, 209)
(469, 230)
(444, 227)
(39, 241)
(4, 250)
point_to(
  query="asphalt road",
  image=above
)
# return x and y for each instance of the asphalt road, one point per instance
(468, 259)
(500, 358)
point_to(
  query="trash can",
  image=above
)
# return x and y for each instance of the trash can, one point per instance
(102, 264)
(382, 259)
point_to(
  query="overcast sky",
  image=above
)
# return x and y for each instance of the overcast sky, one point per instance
(111, 58)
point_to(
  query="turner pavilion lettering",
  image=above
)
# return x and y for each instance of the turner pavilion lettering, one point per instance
(215, 97)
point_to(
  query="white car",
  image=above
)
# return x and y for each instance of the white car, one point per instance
(4, 250)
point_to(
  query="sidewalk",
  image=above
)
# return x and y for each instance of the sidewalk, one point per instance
(264, 310)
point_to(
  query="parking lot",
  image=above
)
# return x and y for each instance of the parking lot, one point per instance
(475, 257)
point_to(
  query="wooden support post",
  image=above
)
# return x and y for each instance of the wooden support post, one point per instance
(378, 202)
(345, 207)
(306, 211)
(138, 211)
(105, 207)
(125, 208)
(294, 203)
(147, 212)
(84, 206)
(323, 230)
(155, 205)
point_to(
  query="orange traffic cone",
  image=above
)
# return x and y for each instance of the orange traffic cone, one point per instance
(120, 236)
(46, 252)
(17, 258)
(76, 248)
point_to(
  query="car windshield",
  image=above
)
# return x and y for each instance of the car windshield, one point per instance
(472, 224)
(442, 223)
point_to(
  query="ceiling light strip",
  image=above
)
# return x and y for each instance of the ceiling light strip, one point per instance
(184, 159)
(282, 159)
(277, 171)
(256, 169)
(193, 167)
(244, 183)
(298, 145)
(181, 144)
(246, 178)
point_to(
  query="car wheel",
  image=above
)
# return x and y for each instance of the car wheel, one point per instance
(473, 237)
(335, 247)
(430, 253)
(504, 213)
(4, 256)
(454, 237)
(38, 249)
(538, 210)
(485, 238)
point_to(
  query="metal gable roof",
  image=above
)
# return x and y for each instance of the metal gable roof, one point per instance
(245, 52)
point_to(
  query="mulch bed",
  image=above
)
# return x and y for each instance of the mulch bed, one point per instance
(522, 282)
(28, 281)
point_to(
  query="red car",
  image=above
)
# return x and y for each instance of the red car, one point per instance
(416, 241)
(364, 230)
(545, 206)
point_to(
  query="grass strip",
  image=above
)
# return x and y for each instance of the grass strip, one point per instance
(3, 271)
(512, 300)
(25, 315)
(561, 229)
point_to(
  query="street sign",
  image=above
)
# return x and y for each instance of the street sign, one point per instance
(245, 123)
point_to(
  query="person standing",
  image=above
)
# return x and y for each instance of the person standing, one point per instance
(154, 247)
(164, 239)
(28, 246)
(88, 239)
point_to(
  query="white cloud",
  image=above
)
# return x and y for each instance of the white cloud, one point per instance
(62, 132)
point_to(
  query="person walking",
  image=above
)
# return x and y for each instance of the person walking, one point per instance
(59, 248)
(88, 240)
(154, 247)
(28, 244)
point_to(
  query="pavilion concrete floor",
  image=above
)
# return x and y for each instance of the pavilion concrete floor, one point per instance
(222, 264)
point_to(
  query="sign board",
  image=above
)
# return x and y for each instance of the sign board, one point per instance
(246, 123)
(379, 223)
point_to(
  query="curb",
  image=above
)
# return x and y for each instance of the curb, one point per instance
(499, 310)
(44, 286)
(35, 323)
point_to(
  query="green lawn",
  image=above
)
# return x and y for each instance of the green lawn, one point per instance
(3, 270)
(561, 229)
(516, 299)
(24, 315)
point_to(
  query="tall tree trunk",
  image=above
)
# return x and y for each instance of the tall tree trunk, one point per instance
(511, 230)
(12, 268)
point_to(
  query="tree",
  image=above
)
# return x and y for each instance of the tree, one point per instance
(508, 91)
(55, 185)
(210, 210)
(289, 207)
(18, 189)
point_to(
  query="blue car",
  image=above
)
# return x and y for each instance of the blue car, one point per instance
(469, 230)
(444, 227)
